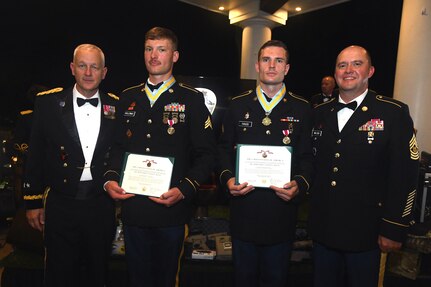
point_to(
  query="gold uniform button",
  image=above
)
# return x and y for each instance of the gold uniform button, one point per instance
(337, 155)
(335, 169)
(64, 164)
(149, 121)
(379, 204)
(268, 132)
(64, 180)
(333, 183)
(338, 141)
(147, 149)
(148, 136)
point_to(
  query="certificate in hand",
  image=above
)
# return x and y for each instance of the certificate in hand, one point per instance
(146, 175)
(262, 166)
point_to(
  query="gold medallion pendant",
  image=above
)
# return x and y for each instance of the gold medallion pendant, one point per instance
(286, 140)
(266, 121)
(171, 130)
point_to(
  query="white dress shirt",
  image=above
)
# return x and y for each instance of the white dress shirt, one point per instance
(87, 118)
(344, 114)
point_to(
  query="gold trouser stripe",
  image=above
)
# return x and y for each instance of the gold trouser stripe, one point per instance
(186, 234)
(383, 256)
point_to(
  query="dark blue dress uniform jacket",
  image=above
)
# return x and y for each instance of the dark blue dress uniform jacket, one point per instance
(366, 175)
(55, 156)
(261, 216)
(143, 130)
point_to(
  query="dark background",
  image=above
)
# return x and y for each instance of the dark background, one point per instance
(38, 38)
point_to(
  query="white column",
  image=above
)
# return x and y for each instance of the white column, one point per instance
(257, 27)
(254, 34)
(413, 70)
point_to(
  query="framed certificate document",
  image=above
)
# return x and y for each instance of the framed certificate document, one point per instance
(262, 166)
(146, 175)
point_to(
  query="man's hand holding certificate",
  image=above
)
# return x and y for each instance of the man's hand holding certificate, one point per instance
(146, 175)
(263, 166)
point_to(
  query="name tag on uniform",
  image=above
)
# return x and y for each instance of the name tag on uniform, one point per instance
(129, 114)
(316, 133)
(245, 124)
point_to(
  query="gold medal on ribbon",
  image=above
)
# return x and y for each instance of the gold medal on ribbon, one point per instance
(266, 121)
(171, 130)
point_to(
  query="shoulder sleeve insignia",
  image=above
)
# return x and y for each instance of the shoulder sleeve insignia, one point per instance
(388, 100)
(26, 112)
(246, 93)
(55, 90)
(182, 85)
(297, 97)
(113, 96)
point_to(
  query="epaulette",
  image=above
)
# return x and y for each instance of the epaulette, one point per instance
(324, 103)
(182, 85)
(246, 93)
(388, 100)
(113, 96)
(55, 90)
(26, 112)
(132, 87)
(297, 97)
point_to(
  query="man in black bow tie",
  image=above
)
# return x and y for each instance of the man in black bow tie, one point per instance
(367, 161)
(328, 91)
(63, 190)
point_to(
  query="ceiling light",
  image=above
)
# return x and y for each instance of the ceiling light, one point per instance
(297, 9)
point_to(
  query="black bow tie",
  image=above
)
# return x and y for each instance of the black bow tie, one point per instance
(93, 101)
(339, 106)
(154, 87)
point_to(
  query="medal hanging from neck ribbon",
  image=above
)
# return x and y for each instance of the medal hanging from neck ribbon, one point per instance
(269, 105)
(154, 95)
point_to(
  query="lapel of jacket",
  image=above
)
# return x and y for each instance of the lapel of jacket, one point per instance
(103, 122)
(68, 116)
(331, 117)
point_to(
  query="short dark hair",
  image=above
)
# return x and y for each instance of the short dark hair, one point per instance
(158, 33)
(274, 43)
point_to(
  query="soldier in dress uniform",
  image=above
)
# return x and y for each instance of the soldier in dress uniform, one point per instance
(21, 133)
(263, 219)
(21, 137)
(63, 191)
(367, 161)
(327, 92)
(168, 119)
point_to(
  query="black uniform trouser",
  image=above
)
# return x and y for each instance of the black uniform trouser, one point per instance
(153, 255)
(78, 239)
(336, 268)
